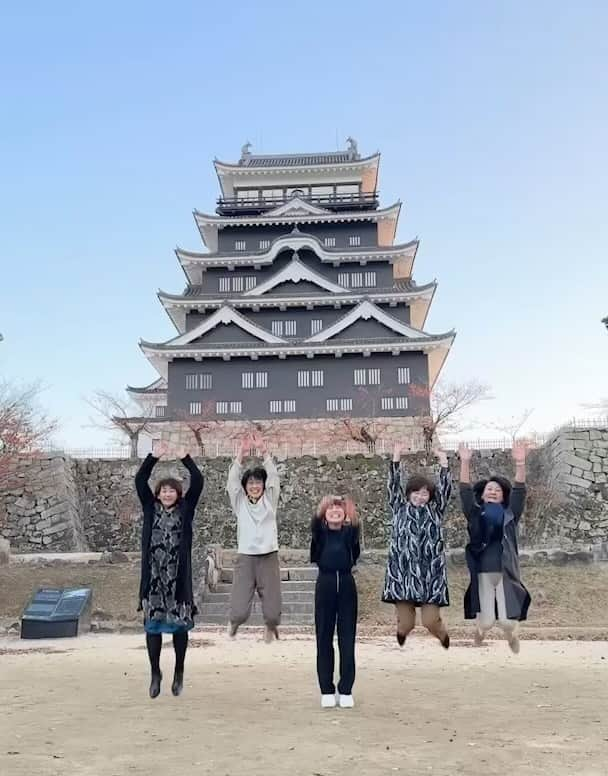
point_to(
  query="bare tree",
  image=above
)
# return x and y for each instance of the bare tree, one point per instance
(24, 425)
(448, 401)
(367, 430)
(513, 425)
(121, 414)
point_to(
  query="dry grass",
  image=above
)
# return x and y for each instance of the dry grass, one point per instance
(573, 597)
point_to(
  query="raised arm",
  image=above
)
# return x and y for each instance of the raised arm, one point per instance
(466, 491)
(395, 493)
(518, 492)
(355, 542)
(141, 480)
(444, 486)
(196, 480)
(316, 526)
(273, 483)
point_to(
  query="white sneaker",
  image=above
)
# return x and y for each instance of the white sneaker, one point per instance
(347, 701)
(328, 701)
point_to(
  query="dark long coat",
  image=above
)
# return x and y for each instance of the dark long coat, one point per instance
(516, 596)
(187, 506)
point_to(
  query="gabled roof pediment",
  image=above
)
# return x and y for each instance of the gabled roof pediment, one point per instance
(294, 272)
(364, 312)
(225, 315)
(297, 207)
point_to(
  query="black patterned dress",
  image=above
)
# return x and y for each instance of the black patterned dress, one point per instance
(416, 568)
(161, 611)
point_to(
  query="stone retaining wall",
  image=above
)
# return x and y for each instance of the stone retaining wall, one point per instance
(56, 504)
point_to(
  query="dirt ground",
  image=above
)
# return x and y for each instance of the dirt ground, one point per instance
(80, 707)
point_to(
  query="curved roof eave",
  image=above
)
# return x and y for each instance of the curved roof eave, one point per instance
(213, 219)
(235, 167)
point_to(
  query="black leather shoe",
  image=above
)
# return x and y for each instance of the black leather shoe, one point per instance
(401, 638)
(155, 685)
(445, 641)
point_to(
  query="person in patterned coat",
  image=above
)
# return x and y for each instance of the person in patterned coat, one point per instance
(165, 589)
(416, 574)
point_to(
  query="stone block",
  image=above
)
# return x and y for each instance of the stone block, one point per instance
(5, 552)
(588, 476)
(582, 445)
(576, 472)
(577, 462)
(54, 529)
(597, 467)
(576, 481)
(594, 434)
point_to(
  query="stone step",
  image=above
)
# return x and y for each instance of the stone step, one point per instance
(293, 574)
(287, 596)
(257, 620)
(286, 587)
(301, 607)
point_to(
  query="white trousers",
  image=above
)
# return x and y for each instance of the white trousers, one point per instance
(492, 598)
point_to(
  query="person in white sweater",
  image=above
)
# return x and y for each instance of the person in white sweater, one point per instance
(254, 496)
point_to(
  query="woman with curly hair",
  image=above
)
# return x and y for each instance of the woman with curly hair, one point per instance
(416, 574)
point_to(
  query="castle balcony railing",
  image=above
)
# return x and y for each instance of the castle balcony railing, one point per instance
(242, 206)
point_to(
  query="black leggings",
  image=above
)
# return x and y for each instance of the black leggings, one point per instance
(154, 643)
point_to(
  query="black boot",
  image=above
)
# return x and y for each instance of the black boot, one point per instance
(178, 683)
(155, 685)
(401, 638)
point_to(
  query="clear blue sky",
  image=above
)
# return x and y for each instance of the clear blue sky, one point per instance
(491, 118)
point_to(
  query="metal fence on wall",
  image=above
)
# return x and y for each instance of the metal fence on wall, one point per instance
(228, 448)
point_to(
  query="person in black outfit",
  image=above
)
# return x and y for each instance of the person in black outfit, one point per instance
(335, 549)
(165, 590)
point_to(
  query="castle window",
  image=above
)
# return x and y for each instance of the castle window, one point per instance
(388, 403)
(224, 285)
(354, 240)
(329, 242)
(316, 325)
(346, 405)
(370, 279)
(199, 382)
(160, 411)
(277, 328)
(366, 377)
(250, 282)
(236, 407)
(356, 279)
(237, 284)
(403, 375)
(344, 279)
(276, 405)
(401, 402)
(264, 245)
(317, 378)
(240, 245)
(303, 378)
(247, 380)
(196, 407)
(221, 407)
(289, 405)
(290, 328)
(333, 405)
